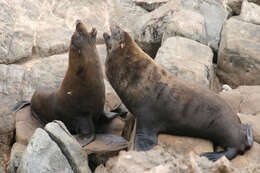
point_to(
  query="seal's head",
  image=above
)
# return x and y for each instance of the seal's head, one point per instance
(83, 44)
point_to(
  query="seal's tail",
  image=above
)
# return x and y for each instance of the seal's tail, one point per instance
(249, 136)
(20, 105)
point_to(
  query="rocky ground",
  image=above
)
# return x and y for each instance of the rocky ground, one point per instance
(209, 42)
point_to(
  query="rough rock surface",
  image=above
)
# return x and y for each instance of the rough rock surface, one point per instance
(239, 53)
(244, 99)
(235, 5)
(16, 156)
(187, 59)
(250, 12)
(43, 155)
(156, 161)
(69, 146)
(150, 5)
(151, 27)
(184, 145)
(43, 28)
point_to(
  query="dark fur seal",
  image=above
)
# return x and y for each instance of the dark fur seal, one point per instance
(162, 103)
(79, 101)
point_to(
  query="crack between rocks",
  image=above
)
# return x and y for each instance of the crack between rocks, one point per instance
(65, 152)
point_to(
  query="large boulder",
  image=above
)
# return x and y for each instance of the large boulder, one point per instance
(244, 99)
(235, 5)
(239, 53)
(187, 59)
(43, 155)
(53, 149)
(250, 12)
(43, 28)
(204, 16)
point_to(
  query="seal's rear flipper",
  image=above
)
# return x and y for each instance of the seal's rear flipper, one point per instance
(20, 105)
(249, 136)
(230, 153)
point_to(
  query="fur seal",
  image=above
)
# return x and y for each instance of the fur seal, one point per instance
(79, 101)
(162, 103)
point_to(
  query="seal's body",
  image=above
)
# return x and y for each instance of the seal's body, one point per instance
(162, 103)
(81, 97)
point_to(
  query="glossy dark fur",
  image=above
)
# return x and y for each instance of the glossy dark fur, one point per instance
(81, 97)
(162, 103)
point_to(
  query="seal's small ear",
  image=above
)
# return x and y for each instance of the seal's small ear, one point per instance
(118, 34)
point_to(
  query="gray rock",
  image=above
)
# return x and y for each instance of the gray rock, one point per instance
(239, 53)
(250, 12)
(16, 156)
(188, 24)
(235, 5)
(151, 27)
(187, 59)
(150, 5)
(43, 28)
(69, 146)
(43, 155)
(244, 99)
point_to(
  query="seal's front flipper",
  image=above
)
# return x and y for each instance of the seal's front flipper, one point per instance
(145, 141)
(249, 136)
(85, 139)
(20, 105)
(230, 153)
(85, 131)
(121, 110)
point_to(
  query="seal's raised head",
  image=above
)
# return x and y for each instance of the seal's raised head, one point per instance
(118, 40)
(82, 39)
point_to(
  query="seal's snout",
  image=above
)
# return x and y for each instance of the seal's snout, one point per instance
(106, 36)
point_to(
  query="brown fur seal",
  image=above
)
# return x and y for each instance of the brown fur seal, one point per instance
(162, 103)
(80, 98)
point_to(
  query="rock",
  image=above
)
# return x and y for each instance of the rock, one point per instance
(222, 165)
(236, 5)
(25, 125)
(149, 28)
(239, 54)
(250, 12)
(188, 24)
(187, 59)
(43, 28)
(254, 121)
(184, 145)
(101, 169)
(243, 99)
(133, 162)
(16, 156)
(69, 146)
(251, 158)
(43, 155)
(150, 5)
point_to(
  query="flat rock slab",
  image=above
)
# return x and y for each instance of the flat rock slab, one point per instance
(16, 156)
(184, 145)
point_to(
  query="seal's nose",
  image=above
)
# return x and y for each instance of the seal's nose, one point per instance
(106, 36)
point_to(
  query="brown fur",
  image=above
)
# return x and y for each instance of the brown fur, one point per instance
(163, 103)
(82, 92)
